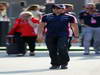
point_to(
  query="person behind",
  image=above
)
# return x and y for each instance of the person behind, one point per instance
(3, 12)
(25, 25)
(82, 26)
(57, 35)
(91, 28)
(35, 10)
(4, 22)
(69, 10)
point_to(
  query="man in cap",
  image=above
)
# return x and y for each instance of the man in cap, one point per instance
(56, 25)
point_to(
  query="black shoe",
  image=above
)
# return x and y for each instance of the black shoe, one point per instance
(32, 54)
(54, 67)
(86, 54)
(63, 66)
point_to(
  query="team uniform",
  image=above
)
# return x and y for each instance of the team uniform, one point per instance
(57, 36)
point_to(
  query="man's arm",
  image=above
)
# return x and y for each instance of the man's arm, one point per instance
(75, 32)
(42, 25)
(75, 29)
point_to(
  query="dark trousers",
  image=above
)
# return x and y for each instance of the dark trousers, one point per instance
(69, 43)
(58, 52)
(30, 41)
(19, 41)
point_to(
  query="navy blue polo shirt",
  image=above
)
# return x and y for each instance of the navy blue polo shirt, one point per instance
(57, 25)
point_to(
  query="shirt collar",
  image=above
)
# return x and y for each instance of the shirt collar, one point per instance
(59, 14)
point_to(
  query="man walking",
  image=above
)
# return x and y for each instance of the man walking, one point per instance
(56, 25)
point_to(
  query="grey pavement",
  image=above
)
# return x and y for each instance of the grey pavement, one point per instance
(40, 63)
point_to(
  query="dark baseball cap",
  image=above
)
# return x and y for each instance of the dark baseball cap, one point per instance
(60, 6)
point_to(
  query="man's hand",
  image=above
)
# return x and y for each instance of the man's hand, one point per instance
(75, 40)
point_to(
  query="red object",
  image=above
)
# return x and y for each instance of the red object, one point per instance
(23, 27)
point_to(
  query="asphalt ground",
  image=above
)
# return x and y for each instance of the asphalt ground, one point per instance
(39, 64)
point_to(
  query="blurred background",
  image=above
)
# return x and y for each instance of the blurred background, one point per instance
(14, 7)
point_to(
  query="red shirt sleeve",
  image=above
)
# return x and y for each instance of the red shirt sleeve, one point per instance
(15, 27)
(34, 20)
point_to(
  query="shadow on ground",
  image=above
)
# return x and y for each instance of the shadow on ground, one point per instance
(40, 54)
(24, 71)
